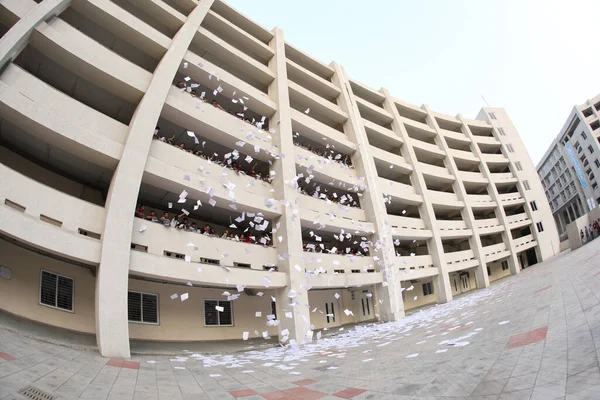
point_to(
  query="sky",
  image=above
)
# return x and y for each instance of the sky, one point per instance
(537, 59)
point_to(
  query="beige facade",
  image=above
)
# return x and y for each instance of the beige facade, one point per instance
(443, 204)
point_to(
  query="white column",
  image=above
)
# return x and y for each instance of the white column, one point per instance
(481, 276)
(17, 37)
(289, 250)
(392, 307)
(434, 245)
(112, 330)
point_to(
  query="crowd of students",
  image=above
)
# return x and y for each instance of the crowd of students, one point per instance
(190, 88)
(182, 222)
(329, 248)
(345, 199)
(236, 166)
(340, 158)
(590, 232)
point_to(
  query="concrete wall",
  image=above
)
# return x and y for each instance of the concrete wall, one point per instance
(20, 295)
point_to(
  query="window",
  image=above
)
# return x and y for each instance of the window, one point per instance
(504, 265)
(597, 162)
(590, 149)
(533, 205)
(142, 307)
(510, 148)
(489, 271)
(526, 185)
(274, 309)
(366, 308)
(518, 165)
(577, 145)
(493, 116)
(583, 135)
(539, 226)
(501, 131)
(427, 289)
(56, 291)
(330, 312)
(214, 317)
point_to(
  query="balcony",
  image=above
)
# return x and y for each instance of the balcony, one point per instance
(517, 220)
(460, 260)
(474, 177)
(51, 220)
(405, 228)
(342, 271)
(312, 81)
(385, 158)
(228, 253)
(495, 158)
(378, 134)
(255, 72)
(435, 174)
(416, 267)
(230, 32)
(60, 120)
(418, 130)
(509, 199)
(491, 140)
(323, 169)
(488, 226)
(307, 99)
(453, 229)
(524, 243)
(333, 216)
(371, 112)
(317, 131)
(495, 252)
(427, 150)
(463, 155)
(214, 124)
(481, 201)
(445, 200)
(203, 72)
(505, 177)
(399, 191)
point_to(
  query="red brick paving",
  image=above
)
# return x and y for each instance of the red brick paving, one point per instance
(523, 339)
(304, 393)
(304, 382)
(349, 393)
(243, 393)
(542, 289)
(131, 365)
(7, 357)
(116, 363)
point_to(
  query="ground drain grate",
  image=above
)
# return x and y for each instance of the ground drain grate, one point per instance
(36, 394)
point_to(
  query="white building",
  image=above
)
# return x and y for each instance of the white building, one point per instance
(412, 206)
(571, 164)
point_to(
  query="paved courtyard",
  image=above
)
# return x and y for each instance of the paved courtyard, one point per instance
(533, 336)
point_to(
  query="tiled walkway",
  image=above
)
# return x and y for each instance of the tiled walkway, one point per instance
(533, 336)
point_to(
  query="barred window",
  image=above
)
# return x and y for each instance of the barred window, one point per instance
(142, 307)
(214, 317)
(56, 291)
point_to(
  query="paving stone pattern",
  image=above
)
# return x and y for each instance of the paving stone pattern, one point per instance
(531, 336)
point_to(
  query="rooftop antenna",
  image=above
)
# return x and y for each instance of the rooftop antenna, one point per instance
(485, 101)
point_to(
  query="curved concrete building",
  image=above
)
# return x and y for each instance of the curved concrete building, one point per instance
(296, 198)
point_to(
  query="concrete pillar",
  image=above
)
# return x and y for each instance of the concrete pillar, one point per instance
(493, 191)
(392, 307)
(434, 245)
(289, 250)
(112, 330)
(17, 37)
(481, 275)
